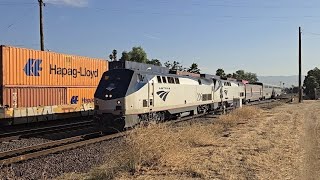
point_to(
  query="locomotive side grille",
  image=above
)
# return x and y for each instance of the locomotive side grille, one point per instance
(145, 103)
(206, 97)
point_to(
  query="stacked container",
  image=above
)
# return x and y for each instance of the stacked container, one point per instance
(32, 78)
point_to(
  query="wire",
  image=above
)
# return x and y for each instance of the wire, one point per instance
(190, 14)
(19, 19)
(258, 7)
(15, 3)
(311, 33)
(232, 5)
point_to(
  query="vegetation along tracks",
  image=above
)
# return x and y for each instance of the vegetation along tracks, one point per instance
(26, 153)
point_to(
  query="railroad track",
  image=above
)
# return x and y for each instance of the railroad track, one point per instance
(44, 130)
(26, 153)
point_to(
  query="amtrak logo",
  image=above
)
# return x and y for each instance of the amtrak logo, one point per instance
(33, 67)
(109, 88)
(163, 94)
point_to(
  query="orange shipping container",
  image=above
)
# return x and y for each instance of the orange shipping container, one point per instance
(22, 67)
(80, 95)
(34, 97)
(37, 96)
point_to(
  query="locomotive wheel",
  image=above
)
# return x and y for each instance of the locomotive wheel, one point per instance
(109, 124)
(117, 125)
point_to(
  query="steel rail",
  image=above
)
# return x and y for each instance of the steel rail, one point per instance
(37, 147)
(38, 131)
(59, 146)
(27, 153)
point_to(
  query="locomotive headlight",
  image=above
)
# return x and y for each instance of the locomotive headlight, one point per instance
(110, 96)
(118, 102)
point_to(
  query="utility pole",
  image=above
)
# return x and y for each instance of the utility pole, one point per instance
(41, 25)
(300, 89)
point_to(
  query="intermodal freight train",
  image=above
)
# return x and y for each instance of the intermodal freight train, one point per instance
(128, 95)
(41, 85)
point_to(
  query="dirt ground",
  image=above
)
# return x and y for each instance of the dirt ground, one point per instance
(283, 143)
(277, 142)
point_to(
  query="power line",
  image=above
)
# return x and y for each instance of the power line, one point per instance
(18, 20)
(256, 7)
(311, 33)
(233, 5)
(190, 14)
(15, 3)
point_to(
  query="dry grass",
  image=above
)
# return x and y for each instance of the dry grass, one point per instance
(239, 116)
(159, 149)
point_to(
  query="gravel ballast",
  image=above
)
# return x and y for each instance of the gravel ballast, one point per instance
(7, 146)
(77, 160)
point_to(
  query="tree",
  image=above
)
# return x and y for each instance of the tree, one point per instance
(251, 77)
(242, 75)
(173, 66)
(194, 68)
(220, 72)
(311, 81)
(167, 64)
(113, 55)
(125, 56)
(138, 54)
(239, 75)
(155, 62)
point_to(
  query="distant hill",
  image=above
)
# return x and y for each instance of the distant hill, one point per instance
(287, 80)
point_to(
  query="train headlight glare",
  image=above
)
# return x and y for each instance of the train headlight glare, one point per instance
(110, 96)
(118, 102)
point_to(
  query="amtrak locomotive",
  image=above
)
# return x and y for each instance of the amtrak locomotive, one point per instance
(127, 97)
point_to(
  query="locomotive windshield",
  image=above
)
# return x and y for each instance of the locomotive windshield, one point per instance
(113, 84)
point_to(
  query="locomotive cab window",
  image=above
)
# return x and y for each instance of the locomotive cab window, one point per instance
(164, 80)
(140, 77)
(159, 79)
(114, 82)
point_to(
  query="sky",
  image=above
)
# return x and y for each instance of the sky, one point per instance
(257, 36)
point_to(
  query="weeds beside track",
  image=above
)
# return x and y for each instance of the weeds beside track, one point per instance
(27, 153)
